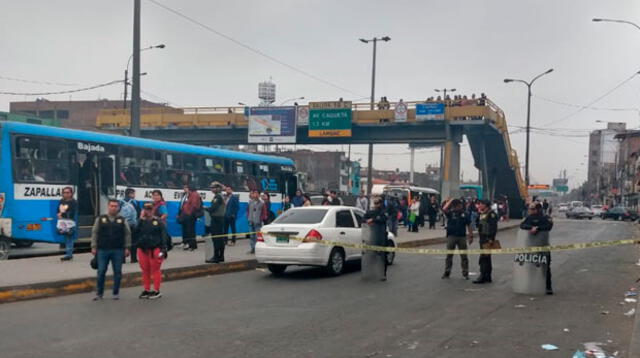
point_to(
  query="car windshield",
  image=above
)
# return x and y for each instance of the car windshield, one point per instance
(302, 216)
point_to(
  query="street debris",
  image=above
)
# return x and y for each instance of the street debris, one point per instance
(631, 312)
(549, 347)
(593, 350)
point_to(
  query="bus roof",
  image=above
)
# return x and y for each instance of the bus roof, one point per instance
(107, 138)
(411, 188)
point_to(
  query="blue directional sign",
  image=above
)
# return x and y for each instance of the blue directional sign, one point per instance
(429, 111)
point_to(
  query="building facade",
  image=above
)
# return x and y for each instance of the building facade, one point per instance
(323, 170)
(603, 175)
(71, 114)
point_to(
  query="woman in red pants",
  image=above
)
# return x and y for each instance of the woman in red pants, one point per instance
(152, 250)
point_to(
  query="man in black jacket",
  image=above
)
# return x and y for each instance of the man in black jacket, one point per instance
(110, 242)
(487, 230)
(536, 222)
(376, 216)
(216, 228)
(458, 232)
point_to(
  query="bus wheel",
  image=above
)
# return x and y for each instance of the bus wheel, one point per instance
(5, 246)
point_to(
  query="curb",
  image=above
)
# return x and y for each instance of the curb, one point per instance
(132, 279)
(88, 284)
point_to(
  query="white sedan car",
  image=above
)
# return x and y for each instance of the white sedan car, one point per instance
(310, 225)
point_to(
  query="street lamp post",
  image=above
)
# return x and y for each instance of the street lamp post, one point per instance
(126, 72)
(528, 84)
(373, 98)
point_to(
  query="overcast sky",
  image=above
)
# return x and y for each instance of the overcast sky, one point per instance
(469, 45)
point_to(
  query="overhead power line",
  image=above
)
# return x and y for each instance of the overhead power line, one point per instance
(60, 92)
(582, 108)
(252, 49)
(37, 82)
(628, 109)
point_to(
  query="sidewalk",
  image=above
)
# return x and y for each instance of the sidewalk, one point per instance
(47, 276)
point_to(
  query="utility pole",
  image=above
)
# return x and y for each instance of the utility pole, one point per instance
(126, 85)
(373, 99)
(135, 88)
(413, 157)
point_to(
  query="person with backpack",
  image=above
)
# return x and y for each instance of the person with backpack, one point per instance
(130, 210)
(190, 211)
(152, 251)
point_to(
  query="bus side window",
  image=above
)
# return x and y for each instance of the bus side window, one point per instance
(40, 160)
(212, 169)
(129, 167)
(173, 163)
(238, 177)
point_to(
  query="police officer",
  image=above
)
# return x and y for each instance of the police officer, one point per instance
(110, 242)
(458, 230)
(487, 230)
(376, 216)
(535, 222)
(216, 228)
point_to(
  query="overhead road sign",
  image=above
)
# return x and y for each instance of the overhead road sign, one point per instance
(330, 119)
(272, 125)
(429, 111)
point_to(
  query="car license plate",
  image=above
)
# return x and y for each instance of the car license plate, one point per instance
(282, 239)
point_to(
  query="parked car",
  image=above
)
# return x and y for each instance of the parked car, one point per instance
(563, 207)
(620, 213)
(579, 212)
(310, 225)
(597, 210)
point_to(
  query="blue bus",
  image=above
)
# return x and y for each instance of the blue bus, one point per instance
(39, 161)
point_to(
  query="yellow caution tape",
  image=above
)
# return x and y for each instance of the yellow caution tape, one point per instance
(512, 250)
(410, 250)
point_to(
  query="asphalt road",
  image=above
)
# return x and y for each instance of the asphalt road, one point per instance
(306, 314)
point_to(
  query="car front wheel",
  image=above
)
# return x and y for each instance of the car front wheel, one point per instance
(335, 266)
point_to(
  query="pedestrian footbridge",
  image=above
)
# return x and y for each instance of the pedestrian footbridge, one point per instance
(480, 120)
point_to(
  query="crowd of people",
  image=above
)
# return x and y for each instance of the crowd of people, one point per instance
(140, 231)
